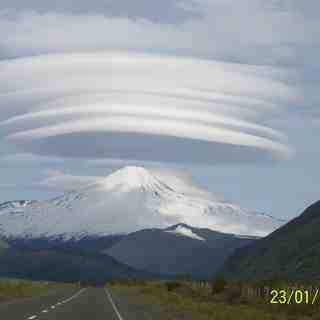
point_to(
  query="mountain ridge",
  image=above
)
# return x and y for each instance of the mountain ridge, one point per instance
(177, 250)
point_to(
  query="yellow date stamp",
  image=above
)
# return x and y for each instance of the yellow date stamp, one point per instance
(294, 296)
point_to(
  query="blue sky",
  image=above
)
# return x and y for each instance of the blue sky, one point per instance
(225, 90)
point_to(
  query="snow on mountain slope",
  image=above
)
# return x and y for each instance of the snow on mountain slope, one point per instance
(15, 206)
(128, 200)
(182, 182)
(185, 232)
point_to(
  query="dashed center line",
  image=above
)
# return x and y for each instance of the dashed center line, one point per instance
(58, 304)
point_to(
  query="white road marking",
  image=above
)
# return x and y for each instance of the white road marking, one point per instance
(113, 304)
(59, 303)
(74, 296)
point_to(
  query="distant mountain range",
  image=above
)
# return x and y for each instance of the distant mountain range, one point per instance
(174, 251)
(130, 199)
(177, 250)
(291, 252)
(134, 222)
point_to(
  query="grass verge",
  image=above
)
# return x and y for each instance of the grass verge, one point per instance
(182, 302)
(15, 289)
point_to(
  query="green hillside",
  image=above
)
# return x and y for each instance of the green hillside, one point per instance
(292, 252)
(63, 265)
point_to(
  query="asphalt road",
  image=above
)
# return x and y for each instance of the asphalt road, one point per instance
(65, 304)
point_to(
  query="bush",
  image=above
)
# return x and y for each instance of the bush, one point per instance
(127, 282)
(233, 294)
(173, 285)
(218, 285)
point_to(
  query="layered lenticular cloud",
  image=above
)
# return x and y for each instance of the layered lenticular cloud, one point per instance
(143, 107)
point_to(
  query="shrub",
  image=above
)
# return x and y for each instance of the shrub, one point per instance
(127, 282)
(173, 285)
(233, 294)
(218, 285)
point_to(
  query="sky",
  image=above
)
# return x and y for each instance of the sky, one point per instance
(224, 90)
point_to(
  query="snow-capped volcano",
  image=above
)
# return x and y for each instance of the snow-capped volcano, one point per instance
(131, 199)
(133, 178)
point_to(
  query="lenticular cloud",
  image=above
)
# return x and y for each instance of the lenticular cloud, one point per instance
(142, 107)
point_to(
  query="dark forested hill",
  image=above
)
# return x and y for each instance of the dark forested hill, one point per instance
(180, 249)
(68, 265)
(291, 252)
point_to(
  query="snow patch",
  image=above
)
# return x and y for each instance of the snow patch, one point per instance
(183, 231)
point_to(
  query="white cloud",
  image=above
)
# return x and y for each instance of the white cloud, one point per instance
(248, 31)
(27, 158)
(177, 178)
(59, 181)
(143, 107)
(169, 11)
(219, 110)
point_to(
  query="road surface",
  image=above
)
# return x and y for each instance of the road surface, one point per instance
(69, 304)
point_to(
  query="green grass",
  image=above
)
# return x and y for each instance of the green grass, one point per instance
(15, 289)
(186, 303)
